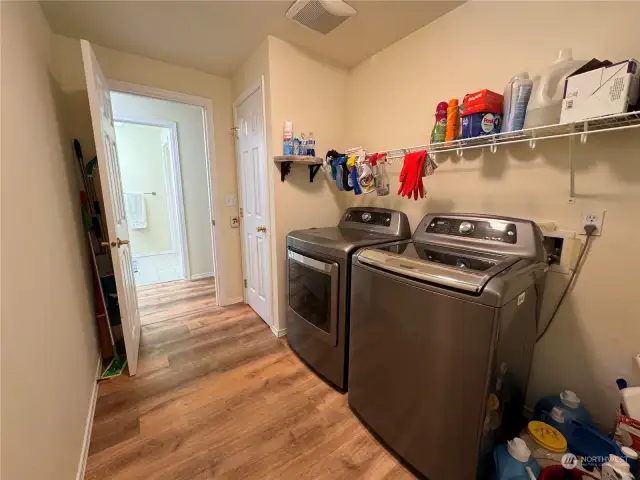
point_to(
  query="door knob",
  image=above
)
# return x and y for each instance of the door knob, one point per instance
(261, 228)
(118, 243)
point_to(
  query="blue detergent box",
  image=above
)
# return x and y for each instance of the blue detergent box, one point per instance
(482, 123)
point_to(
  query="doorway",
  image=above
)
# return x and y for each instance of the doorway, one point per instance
(152, 187)
(163, 156)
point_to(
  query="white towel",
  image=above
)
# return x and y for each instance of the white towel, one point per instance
(136, 210)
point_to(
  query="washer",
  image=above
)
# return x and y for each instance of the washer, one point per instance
(318, 279)
(442, 335)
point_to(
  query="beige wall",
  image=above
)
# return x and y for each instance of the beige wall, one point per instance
(314, 99)
(391, 103)
(49, 348)
(143, 169)
(193, 167)
(144, 71)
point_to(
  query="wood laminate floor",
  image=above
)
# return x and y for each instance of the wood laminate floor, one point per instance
(218, 396)
(170, 300)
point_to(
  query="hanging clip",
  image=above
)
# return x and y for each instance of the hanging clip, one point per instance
(585, 133)
(493, 148)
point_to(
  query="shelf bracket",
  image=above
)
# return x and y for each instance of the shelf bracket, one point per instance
(532, 141)
(585, 133)
(572, 173)
(313, 169)
(459, 152)
(285, 169)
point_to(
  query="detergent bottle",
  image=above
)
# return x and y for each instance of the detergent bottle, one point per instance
(568, 407)
(545, 102)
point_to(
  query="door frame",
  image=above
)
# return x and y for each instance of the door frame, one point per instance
(178, 234)
(259, 85)
(210, 157)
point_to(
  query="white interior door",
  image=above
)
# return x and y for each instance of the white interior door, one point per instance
(255, 221)
(105, 138)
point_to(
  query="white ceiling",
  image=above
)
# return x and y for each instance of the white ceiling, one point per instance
(217, 36)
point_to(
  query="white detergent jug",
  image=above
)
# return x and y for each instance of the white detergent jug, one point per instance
(545, 102)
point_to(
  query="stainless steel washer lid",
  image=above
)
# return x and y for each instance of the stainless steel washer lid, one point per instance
(454, 268)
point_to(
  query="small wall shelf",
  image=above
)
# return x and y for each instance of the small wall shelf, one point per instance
(285, 161)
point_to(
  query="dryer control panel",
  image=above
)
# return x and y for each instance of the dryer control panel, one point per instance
(493, 230)
(369, 217)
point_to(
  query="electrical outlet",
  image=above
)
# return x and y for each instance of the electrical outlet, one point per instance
(592, 217)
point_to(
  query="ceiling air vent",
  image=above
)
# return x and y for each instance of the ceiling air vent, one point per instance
(320, 15)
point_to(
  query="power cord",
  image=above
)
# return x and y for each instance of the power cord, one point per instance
(589, 230)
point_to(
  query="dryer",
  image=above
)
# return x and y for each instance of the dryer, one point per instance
(318, 281)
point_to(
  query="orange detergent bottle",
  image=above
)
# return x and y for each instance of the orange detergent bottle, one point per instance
(452, 120)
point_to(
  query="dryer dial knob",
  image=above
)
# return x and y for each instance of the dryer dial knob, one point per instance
(366, 217)
(465, 227)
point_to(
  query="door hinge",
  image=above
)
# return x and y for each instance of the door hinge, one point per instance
(213, 222)
(234, 132)
(241, 214)
(245, 283)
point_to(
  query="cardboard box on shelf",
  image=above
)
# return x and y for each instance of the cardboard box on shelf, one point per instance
(608, 90)
(484, 101)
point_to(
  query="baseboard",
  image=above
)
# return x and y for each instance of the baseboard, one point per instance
(278, 333)
(231, 301)
(89, 424)
(198, 276)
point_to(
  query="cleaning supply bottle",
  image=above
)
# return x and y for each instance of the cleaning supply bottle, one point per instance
(288, 138)
(569, 407)
(440, 128)
(513, 461)
(302, 149)
(616, 469)
(311, 145)
(516, 97)
(545, 103)
(630, 456)
(452, 120)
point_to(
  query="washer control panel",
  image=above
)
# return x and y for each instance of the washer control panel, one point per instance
(369, 217)
(492, 230)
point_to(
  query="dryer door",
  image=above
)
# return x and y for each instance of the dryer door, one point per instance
(313, 294)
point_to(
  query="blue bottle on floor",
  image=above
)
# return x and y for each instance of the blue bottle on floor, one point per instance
(512, 459)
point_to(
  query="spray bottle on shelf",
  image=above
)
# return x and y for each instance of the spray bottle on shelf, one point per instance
(439, 129)
(288, 138)
(452, 120)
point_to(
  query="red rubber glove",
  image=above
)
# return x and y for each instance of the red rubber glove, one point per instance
(407, 185)
(418, 186)
(404, 173)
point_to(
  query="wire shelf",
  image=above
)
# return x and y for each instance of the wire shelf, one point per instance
(583, 128)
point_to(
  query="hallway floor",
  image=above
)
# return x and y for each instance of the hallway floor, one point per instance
(218, 396)
(170, 300)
